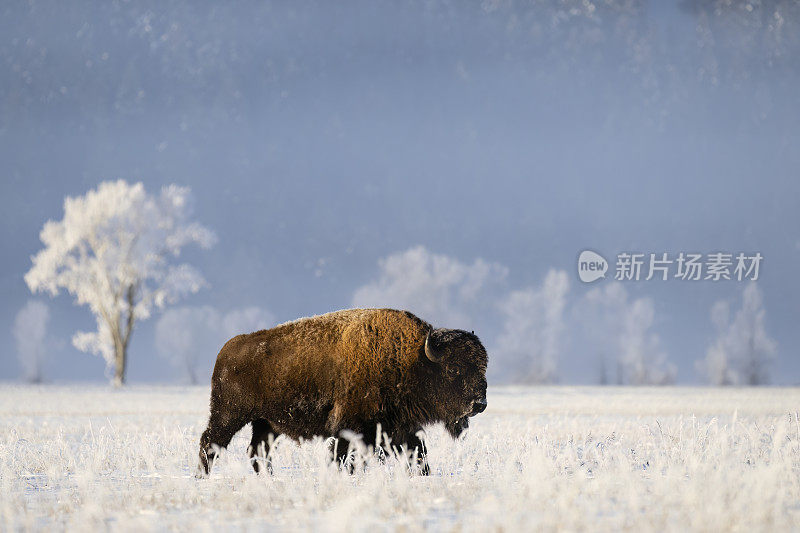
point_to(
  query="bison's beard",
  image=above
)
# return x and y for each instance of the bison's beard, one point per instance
(457, 427)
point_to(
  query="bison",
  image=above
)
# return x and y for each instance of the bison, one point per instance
(362, 371)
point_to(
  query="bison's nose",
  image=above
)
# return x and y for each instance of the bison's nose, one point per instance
(479, 406)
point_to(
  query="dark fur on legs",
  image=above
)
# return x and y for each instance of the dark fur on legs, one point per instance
(214, 438)
(417, 455)
(341, 454)
(260, 445)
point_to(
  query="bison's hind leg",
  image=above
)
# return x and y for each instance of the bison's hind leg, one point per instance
(260, 444)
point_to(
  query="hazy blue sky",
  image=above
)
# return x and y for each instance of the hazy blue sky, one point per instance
(319, 138)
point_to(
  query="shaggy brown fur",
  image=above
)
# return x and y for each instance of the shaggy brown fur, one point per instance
(353, 370)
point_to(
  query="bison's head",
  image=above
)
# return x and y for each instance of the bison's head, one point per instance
(461, 361)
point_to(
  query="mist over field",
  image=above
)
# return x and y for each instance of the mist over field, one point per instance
(327, 145)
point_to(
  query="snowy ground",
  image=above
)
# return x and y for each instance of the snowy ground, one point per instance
(545, 459)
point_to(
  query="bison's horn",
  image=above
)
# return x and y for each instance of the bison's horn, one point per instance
(430, 351)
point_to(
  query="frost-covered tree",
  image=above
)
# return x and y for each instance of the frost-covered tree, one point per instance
(114, 252)
(246, 320)
(742, 350)
(717, 365)
(622, 328)
(529, 344)
(190, 337)
(30, 328)
(640, 352)
(437, 287)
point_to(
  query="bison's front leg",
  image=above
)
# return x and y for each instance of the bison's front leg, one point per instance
(260, 444)
(418, 455)
(340, 454)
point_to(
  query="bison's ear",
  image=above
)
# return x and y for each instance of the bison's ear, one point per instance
(431, 350)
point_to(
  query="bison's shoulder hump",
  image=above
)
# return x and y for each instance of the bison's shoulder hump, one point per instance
(356, 316)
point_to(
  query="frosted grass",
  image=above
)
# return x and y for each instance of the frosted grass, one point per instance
(538, 459)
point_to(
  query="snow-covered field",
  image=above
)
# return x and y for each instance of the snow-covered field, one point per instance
(538, 459)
